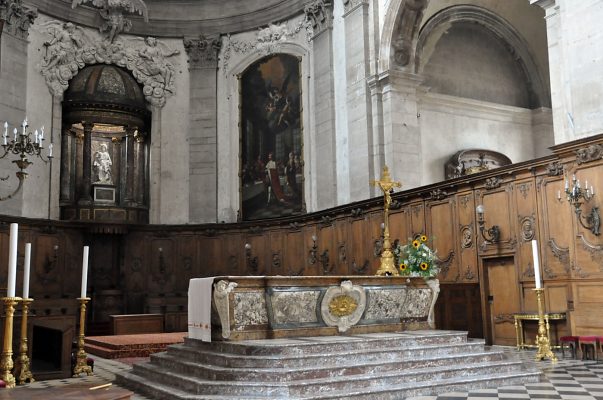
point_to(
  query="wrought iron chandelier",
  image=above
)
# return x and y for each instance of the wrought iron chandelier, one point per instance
(23, 144)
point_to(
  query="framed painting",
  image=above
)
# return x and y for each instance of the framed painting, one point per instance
(271, 159)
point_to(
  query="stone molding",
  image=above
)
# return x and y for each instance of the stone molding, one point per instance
(112, 12)
(17, 17)
(434, 285)
(407, 28)
(351, 5)
(70, 49)
(320, 16)
(202, 52)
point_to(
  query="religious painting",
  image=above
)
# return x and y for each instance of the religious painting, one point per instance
(271, 167)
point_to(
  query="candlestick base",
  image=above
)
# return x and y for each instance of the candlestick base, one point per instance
(22, 364)
(542, 339)
(81, 365)
(6, 359)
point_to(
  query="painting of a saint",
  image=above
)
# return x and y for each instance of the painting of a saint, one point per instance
(271, 139)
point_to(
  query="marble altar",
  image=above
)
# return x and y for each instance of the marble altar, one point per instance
(263, 307)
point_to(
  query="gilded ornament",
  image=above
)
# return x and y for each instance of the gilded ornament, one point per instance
(342, 306)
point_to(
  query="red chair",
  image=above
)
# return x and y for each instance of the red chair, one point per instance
(588, 344)
(571, 342)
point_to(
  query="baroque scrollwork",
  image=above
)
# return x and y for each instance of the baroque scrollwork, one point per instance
(408, 26)
(438, 194)
(17, 17)
(221, 291)
(561, 254)
(493, 183)
(343, 306)
(554, 169)
(589, 153)
(69, 49)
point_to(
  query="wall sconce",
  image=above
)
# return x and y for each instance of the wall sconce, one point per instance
(252, 262)
(161, 261)
(51, 261)
(313, 251)
(493, 233)
(23, 146)
(576, 196)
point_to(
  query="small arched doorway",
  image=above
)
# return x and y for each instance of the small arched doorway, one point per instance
(104, 163)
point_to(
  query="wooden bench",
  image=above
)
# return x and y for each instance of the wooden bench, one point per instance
(130, 324)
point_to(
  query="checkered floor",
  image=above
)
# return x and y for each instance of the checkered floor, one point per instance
(567, 379)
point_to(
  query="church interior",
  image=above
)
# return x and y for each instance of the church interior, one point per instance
(244, 182)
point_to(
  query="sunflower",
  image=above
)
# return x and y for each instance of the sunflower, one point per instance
(423, 238)
(424, 266)
(415, 244)
(403, 267)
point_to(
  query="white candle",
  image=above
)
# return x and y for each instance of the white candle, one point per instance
(50, 150)
(536, 266)
(15, 134)
(24, 126)
(26, 270)
(84, 272)
(558, 194)
(42, 133)
(12, 261)
(5, 134)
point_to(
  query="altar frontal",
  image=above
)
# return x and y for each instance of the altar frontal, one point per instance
(242, 308)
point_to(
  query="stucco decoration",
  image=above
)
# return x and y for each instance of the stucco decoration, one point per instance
(343, 306)
(407, 29)
(17, 17)
(267, 40)
(221, 291)
(69, 49)
(112, 12)
(351, 5)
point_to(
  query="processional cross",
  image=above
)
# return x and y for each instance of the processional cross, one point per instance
(386, 184)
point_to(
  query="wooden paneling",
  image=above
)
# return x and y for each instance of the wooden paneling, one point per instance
(441, 223)
(459, 308)
(503, 300)
(466, 239)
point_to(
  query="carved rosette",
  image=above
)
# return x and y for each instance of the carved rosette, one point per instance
(221, 291)
(343, 306)
(319, 14)
(203, 52)
(17, 17)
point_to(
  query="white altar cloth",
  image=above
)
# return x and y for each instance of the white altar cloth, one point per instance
(199, 308)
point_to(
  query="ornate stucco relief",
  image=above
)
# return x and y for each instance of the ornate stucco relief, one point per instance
(69, 48)
(221, 291)
(384, 304)
(297, 307)
(249, 309)
(319, 14)
(203, 51)
(343, 306)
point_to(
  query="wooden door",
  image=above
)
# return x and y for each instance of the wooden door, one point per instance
(502, 300)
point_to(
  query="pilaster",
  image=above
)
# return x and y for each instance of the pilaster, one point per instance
(203, 64)
(320, 15)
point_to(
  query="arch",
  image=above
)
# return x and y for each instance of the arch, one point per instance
(400, 29)
(501, 29)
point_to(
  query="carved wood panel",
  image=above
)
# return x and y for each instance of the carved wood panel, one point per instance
(360, 252)
(210, 260)
(441, 222)
(417, 219)
(326, 249)
(294, 260)
(185, 262)
(466, 239)
(498, 210)
(233, 260)
(459, 308)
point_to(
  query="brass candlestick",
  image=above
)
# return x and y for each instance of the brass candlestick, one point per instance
(387, 266)
(22, 367)
(6, 363)
(542, 339)
(81, 366)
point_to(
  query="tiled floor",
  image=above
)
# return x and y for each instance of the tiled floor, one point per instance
(567, 379)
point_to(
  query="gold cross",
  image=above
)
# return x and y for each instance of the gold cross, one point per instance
(386, 184)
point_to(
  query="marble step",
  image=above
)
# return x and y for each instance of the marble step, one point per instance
(316, 345)
(314, 371)
(326, 358)
(325, 385)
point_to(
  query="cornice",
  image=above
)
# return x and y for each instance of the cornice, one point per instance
(192, 24)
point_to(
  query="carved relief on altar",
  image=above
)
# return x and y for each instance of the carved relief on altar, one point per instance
(343, 306)
(299, 307)
(69, 48)
(472, 161)
(383, 305)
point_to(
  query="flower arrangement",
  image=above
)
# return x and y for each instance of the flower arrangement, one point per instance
(415, 258)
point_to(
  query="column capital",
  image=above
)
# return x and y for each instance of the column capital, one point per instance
(17, 18)
(320, 15)
(546, 4)
(203, 51)
(351, 5)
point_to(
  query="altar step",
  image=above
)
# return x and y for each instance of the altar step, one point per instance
(370, 366)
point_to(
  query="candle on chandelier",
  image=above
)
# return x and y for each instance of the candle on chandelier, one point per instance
(12, 261)
(41, 134)
(26, 268)
(558, 194)
(36, 135)
(50, 150)
(536, 266)
(5, 134)
(84, 272)
(15, 133)
(24, 126)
